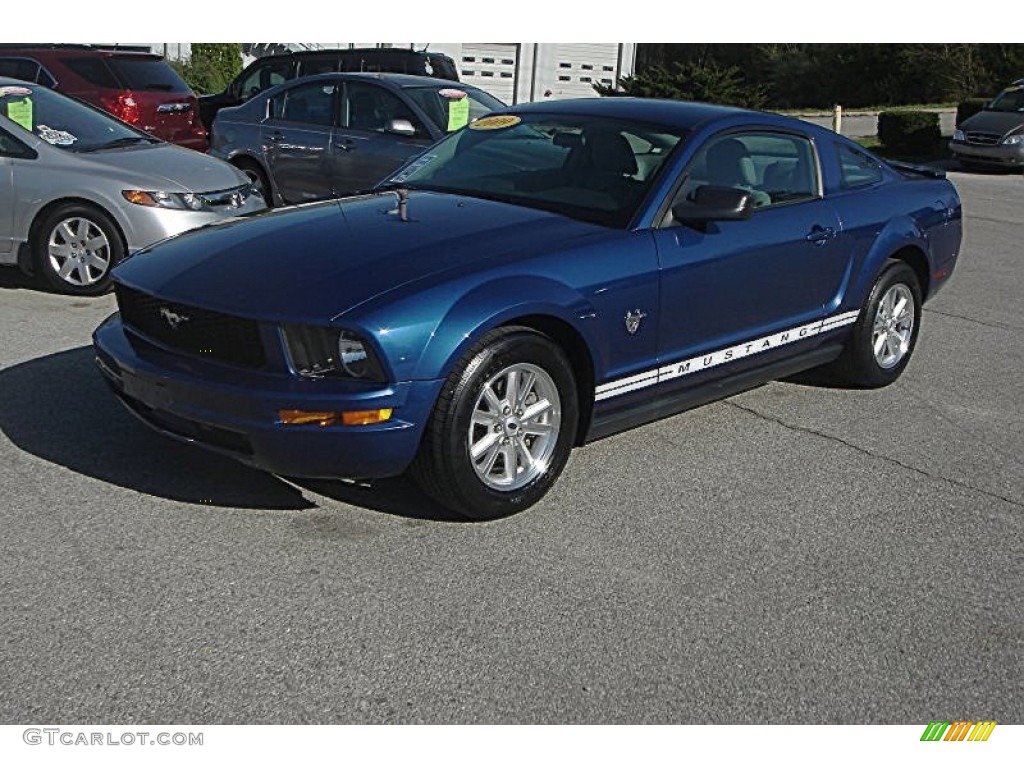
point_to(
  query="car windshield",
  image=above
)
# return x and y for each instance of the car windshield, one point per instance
(65, 123)
(1010, 100)
(591, 168)
(453, 108)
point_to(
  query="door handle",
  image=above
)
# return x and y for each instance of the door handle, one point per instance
(345, 145)
(820, 235)
(275, 137)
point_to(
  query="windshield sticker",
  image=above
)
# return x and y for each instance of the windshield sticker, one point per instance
(14, 90)
(452, 93)
(458, 114)
(55, 137)
(495, 122)
(410, 169)
(20, 111)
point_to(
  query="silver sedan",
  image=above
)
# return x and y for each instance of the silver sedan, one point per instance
(80, 190)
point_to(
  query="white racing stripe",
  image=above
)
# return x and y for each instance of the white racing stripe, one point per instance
(712, 359)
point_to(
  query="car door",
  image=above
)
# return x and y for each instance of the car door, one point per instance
(297, 140)
(739, 293)
(13, 153)
(367, 148)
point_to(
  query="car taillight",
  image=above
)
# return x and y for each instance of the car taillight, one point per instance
(123, 107)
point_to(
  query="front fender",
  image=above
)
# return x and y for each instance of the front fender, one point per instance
(418, 348)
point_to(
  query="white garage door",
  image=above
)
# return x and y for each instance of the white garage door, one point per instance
(579, 66)
(491, 66)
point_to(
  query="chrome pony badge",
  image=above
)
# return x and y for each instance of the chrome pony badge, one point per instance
(633, 321)
(173, 318)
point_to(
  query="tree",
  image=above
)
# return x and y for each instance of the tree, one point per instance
(689, 81)
(212, 66)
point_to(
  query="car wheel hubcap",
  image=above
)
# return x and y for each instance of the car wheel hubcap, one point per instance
(514, 427)
(79, 252)
(894, 326)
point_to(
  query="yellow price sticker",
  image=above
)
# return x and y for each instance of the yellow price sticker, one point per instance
(495, 122)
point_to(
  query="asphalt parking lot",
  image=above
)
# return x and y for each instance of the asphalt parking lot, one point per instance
(795, 554)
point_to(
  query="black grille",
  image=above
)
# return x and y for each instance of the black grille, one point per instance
(985, 139)
(201, 332)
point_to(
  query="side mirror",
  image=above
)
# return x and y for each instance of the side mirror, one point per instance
(714, 204)
(400, 127)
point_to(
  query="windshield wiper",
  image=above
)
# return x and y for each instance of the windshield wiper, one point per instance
(125, 141)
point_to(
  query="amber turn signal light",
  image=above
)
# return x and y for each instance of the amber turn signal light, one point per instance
(333, 418)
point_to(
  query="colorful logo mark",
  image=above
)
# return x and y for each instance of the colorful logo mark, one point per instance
(958, 730)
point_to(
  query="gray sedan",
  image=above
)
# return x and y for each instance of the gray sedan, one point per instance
(79, 190)
(330, 135)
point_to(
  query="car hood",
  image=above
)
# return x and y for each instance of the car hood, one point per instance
(160, 168)
(993, 122)
(314, 262)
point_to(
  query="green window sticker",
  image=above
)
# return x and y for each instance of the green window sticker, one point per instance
(20, 111)
(458, 113)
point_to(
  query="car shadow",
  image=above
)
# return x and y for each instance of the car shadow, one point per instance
(398, 496)
(59, 408)
(13, 278)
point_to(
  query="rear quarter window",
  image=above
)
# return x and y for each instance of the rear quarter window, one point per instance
(858, 169)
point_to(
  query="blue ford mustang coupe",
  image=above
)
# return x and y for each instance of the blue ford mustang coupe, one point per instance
(545, 277)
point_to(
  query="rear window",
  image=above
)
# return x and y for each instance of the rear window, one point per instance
(147, 75)
(94, 71)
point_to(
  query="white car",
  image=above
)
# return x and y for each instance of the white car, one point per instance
(80, 190)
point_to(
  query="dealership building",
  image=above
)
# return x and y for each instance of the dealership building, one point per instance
(514, 72)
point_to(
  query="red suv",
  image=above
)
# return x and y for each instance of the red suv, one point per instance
(137, 87)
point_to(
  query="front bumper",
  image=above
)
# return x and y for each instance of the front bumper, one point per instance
(144, 225)
(1003, 155)
(234, 411)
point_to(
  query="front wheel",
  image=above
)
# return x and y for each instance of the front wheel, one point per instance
(75, 247)
(883, 339)
(502, 428)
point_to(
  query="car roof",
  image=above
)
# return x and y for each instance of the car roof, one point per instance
(72, 49)
(400, 80)
(667, 112)
(357, 51)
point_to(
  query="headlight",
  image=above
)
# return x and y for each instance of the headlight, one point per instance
(317, 353)
(1017, 138)
(958, 135)
(189, 201)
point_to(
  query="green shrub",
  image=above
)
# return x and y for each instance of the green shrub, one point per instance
(212, 66)
(968, 108)
(909, 131)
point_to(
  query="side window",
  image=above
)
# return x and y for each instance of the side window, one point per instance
(265, 77)
(776, 168)
(26, 69)
(371, 108)
(320, 65)
(11, 147)
(858, 170)
(310, 103)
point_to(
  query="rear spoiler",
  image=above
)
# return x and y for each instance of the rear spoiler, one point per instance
(918, 170)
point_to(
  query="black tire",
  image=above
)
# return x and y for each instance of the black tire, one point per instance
(258, 177)
(860, 365)
(444, 468)
(75, 246)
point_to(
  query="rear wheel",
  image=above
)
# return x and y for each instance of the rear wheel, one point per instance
(75, 247)
(884, 336)
(502, 428)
